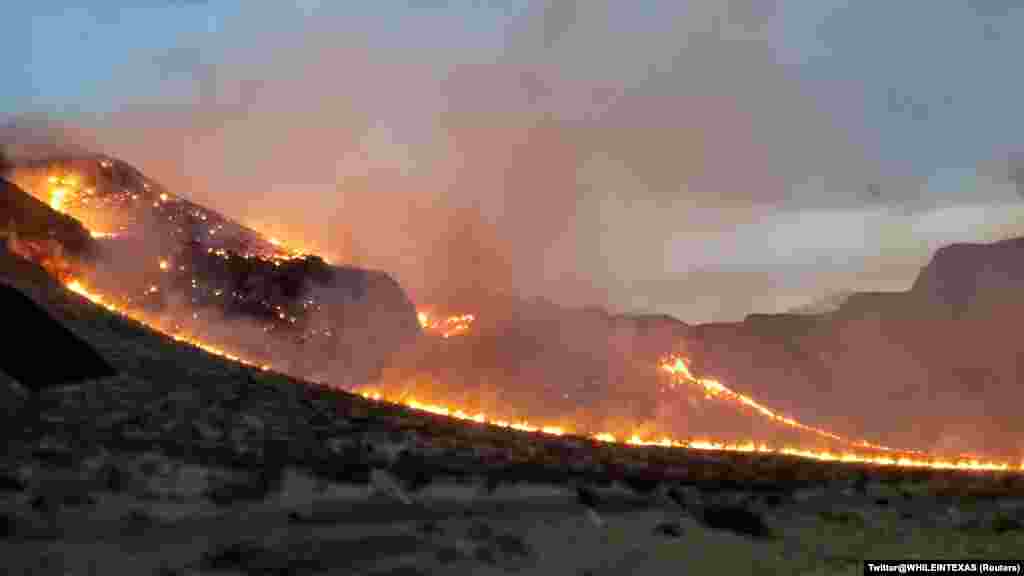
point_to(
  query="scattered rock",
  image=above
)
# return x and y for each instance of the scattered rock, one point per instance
(512, 545)
(643, 485)
(594, 518)
(1011, 505)
(11, 483)
(447, 554)
(404, 570)
(136, 521)
(842, 517)
(808, 494)
(687, 497)
(385, 451)
(246, 557)
(486, 555)
(27, 525)
(430, 527)
(1003, 523)
(737, 519)
(586, 496)
(383, 483)
(491, 483)
(413, 470)
(55, 453)
(670, 529)
(250, 486)
(113, 477)
(480, 531)
(860, 484)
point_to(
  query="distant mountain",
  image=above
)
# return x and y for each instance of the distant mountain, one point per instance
(967, 277)
(941, 360)
(824, 305)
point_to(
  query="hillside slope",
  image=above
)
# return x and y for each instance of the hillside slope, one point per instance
(187, 463)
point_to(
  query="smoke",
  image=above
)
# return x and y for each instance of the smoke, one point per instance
(555, 159)
(30, 137)
(593, 153)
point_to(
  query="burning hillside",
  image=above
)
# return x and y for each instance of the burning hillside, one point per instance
(201, 276)
(197, 275)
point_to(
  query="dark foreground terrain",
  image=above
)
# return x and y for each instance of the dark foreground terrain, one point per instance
(185, 463)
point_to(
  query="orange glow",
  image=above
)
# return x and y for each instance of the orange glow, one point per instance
(79, 288)
(58, 195)
(679, 368)
(905, 459)
(857, 451)
(445, 327)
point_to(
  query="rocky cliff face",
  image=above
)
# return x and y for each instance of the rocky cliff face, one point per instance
(966, 278)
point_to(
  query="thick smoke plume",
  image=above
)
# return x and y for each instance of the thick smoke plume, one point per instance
(573, 156)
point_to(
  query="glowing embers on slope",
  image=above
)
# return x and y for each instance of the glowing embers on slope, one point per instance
(79, 288)
(65, 192)
(445, 327)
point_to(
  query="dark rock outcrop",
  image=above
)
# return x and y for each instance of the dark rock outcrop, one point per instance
(40, 353)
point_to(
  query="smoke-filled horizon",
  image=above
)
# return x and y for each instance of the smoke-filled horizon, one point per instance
(703, 159)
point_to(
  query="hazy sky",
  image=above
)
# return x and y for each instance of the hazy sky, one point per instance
(704, 159)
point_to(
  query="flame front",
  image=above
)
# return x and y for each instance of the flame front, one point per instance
(63, 188)
(679, 367)
(676, 365)
(78, 287)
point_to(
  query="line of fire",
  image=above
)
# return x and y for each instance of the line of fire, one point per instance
(232, 291)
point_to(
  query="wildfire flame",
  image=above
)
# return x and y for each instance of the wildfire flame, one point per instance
(679, 367)
(676, 365)
(450, 326)
(637, 439)
(79, 288)
(904, 460)
(445, 327)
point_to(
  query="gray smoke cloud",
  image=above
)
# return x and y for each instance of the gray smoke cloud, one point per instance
(592, 153)
(558, 162)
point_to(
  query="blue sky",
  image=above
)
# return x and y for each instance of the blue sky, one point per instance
(671, 142)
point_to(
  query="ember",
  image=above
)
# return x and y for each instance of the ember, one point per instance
(445, 327)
